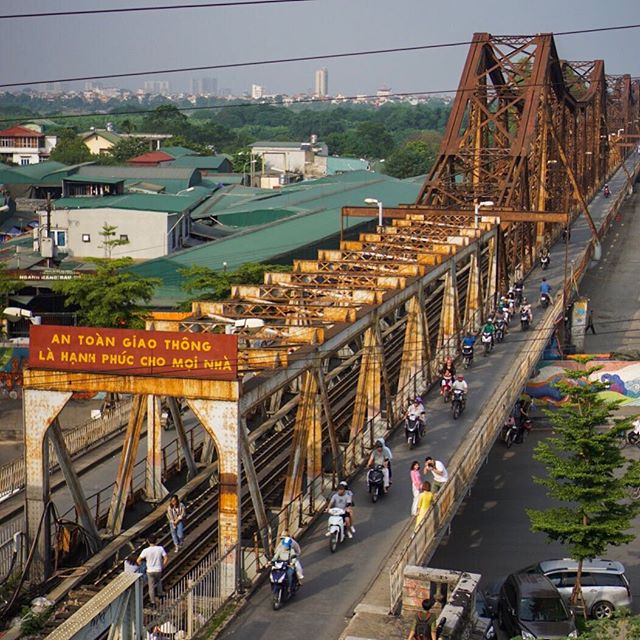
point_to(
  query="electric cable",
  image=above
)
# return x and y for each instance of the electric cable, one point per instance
(308, 58)
(171, 7)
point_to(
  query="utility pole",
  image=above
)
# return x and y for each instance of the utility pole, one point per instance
(48, 230)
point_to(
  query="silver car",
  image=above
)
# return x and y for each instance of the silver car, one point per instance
(604, 585)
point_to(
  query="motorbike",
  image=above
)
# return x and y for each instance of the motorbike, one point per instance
(284, 582)
(487, 342)
(336, 527)
(545, 300)
(606, 191)
(544, 262)
(445, 389)
(500, 326)
(511, 433)
(524, 320)
(467, 355)
(412, 431)
(457, 404)
(375, 482)
(518, 296)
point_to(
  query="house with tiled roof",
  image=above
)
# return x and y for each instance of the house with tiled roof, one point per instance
(100, 141)
(22, 145)
(150, 159)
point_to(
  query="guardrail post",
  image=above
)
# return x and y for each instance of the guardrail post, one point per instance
(190, 608)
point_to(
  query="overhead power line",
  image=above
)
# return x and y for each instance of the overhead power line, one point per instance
(170, 7)
(256, 63)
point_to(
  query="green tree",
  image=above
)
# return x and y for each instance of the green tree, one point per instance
(586, 471)
(411, 159)
(70, 149)
(127, 148)
(109, 240)
(203, 283)
(166, 118)
(109, 297)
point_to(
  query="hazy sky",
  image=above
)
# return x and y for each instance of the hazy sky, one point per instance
(48, 48)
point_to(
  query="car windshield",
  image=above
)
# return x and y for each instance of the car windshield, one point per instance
(542, 610)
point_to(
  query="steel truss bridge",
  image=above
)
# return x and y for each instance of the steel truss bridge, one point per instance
(330, 352)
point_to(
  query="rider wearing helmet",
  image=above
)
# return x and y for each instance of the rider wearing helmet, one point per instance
(343, 499)
(447, 373)
(416, 410)
(526, 308)
(461, 385)
(288, 550)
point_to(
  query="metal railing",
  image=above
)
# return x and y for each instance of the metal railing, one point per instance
(81, 438)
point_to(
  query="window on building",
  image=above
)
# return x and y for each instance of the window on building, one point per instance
(124, 237)
(24, 161)
(86, 237)
(59, 237)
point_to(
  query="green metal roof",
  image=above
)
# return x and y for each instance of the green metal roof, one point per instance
(94, 179)
(135, 202)
(341, 165)
(315, 215)
(111, 136)
(199, 162)
(177, 152)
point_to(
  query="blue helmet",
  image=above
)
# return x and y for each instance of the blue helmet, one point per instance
(287, 542)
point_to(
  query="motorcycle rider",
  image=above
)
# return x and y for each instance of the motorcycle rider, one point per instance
(461, 385)
(490, 328)
(416, 411)
(447, 373)
(518, 288)
(288, 551)
(526, 308)
(606, 190)
(545, 289)
(387, 452)
(378, 457)
(343, 499)
(545, 259)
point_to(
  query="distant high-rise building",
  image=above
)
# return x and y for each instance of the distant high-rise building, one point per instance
(322, 83)
(204, 86)
(257, 91)
(156, 86)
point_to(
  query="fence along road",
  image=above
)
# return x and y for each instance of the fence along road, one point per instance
(366, 570)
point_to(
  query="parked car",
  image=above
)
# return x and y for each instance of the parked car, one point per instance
(531, 607)
(605, 588)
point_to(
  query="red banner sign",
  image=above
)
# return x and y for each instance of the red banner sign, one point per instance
(129, 352)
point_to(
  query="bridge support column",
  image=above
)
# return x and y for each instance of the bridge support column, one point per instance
(40, 408)
(154, 490)
(75, 487)
(303, 434)
(473, 305)
(415, 355)
(367, 402)
(448, 331)
(125, 469)
(176, 416)
(221, 419)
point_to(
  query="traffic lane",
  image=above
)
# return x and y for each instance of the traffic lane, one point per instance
(378, 526)
(335, 583)
(491, 533)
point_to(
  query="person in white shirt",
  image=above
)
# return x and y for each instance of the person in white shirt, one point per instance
(156, 559)
(437, 470)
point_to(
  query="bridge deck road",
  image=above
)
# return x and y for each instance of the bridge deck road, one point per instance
(335, 583)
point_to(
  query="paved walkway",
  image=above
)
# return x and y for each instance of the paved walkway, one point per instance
(336, 583)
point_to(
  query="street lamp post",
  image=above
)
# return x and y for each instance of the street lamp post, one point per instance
(480, 205)
(374, 201)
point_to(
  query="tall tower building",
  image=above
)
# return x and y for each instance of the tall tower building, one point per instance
(322, 83)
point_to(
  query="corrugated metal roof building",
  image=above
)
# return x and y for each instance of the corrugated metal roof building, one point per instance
(292, 222)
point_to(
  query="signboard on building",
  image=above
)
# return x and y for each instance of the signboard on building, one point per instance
(130, 352)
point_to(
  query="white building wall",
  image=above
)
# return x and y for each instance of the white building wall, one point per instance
(149, 232)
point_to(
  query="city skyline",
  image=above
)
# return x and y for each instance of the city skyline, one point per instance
(159, 40)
